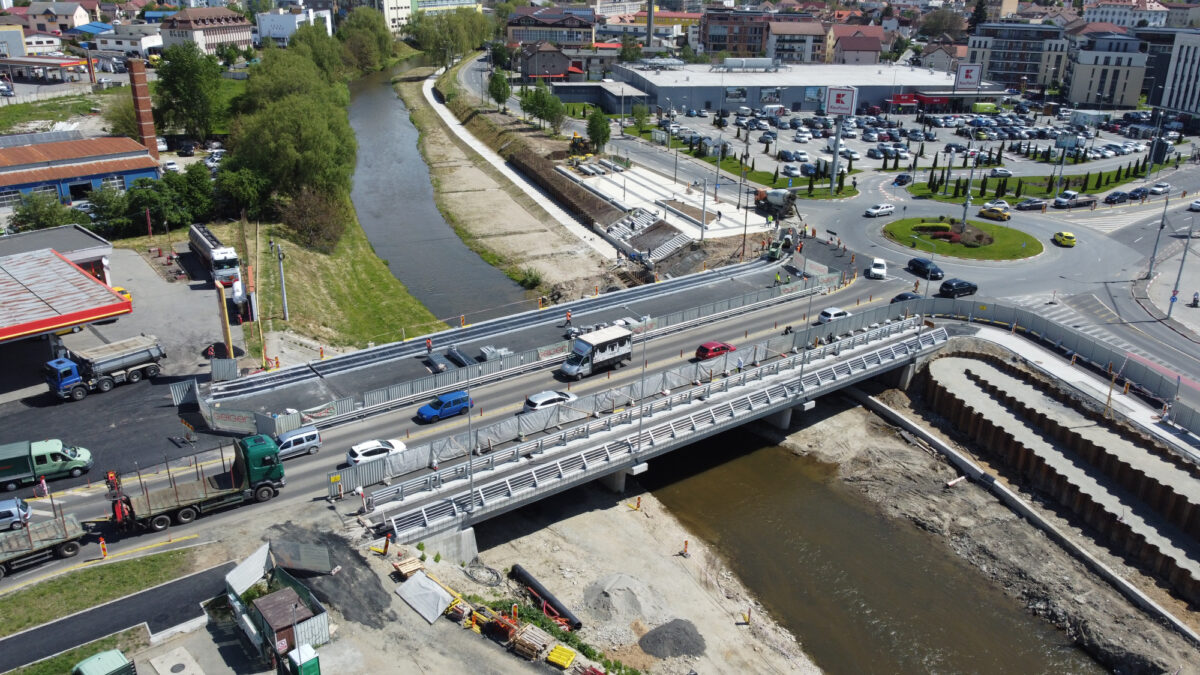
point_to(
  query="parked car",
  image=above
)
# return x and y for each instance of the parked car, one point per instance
(786, 156)
(875, 153)
(547, 399)
(956, 288)
(14, 513)
(170, 165)
(445, 405)
(1117, 197)
(905, 297)
(710, 350)
(802, 137)
(365, 452)
(878, 269)
(924, 267)
(1194, 206)
(880, 210)
(1064, 239)
(1160, 188)
(995, 213)
(790, 170)
(800, 156)
(831, 314)
(187, 149)
(850, 154)
(1000, 173)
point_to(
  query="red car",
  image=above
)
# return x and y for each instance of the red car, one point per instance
(710, 350)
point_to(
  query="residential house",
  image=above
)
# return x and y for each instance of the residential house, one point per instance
(37, 44)
(280, 24)
(132, 39)
(546, 62)
(1182, 14)
(836, 32)
(1104, 69)
(1000, 9)
(794, 41)
(55, 17)
(1127, 13)
(1019, 55)
(208, 28)
(857, 49)
(943, 56)
(92, 7)
(564, 26)
(593, 64)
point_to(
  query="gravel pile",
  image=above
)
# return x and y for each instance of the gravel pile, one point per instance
(675, 638)
(620, 597)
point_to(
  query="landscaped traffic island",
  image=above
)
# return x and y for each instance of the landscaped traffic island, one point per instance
(976, 240)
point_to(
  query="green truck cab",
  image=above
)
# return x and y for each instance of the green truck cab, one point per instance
(255, 474)
(25, 462)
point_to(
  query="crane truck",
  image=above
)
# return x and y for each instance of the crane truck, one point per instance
(74, 374)
(254, 474)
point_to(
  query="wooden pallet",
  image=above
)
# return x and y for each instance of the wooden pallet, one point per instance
(530, 641)
(408, 567)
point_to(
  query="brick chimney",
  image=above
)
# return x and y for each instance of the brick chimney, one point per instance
(142, 108)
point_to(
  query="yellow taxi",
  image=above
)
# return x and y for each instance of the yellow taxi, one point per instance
(995, 213)
(1064, 239)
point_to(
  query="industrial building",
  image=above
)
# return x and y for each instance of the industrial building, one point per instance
(68, 166)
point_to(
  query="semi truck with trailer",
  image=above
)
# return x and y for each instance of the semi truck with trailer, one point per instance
(221, 261)
(598, 350)
(26, 462)
(38, 542)
(253, 474)
(76, 373)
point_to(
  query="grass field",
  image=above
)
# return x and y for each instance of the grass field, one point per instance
(63, 595)
(1007, 244)
(53, 110)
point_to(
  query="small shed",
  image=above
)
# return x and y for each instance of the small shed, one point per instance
(281, 611)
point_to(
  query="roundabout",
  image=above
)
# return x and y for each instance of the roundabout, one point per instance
(976, 240)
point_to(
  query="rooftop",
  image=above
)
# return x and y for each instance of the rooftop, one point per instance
(42, 291)
(805, 75)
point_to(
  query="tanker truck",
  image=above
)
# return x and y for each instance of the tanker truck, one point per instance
(221, 261)
(101, 368)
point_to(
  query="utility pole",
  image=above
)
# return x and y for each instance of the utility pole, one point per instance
(282, 282)
(1178, 277)
(1162, 224)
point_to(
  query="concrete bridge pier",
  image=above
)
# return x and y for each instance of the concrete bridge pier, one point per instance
(459, 546)
(616, 481)
(782, 420)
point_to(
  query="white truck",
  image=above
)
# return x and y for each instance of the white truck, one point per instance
(221, 261)
(593, 352)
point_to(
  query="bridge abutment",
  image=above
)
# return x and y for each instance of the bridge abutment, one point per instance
(616, 481)
(459, 546)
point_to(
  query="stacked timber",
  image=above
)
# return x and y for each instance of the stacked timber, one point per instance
(530, 641)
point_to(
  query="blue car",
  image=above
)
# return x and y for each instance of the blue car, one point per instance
(446, 405)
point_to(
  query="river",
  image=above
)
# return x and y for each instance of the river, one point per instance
(393, 196)
(861, 592)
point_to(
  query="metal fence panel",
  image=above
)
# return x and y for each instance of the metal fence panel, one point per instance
(224, 369)
(183, 392)
(227, 419)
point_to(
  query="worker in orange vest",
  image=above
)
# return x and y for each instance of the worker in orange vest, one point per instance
(428, 345)
(568, 318)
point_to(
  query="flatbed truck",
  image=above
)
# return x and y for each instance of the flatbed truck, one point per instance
(255, 474)
(38, 542)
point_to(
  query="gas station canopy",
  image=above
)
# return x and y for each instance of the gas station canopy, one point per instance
(41, 292)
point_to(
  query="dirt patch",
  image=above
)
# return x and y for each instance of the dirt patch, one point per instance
(908, 481)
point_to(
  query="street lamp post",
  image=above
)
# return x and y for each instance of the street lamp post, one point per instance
(1162, 224)
(470, 450)
(1179, 277)
(282, 282)
(928, 280)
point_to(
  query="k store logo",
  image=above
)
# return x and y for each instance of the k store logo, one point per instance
(840, 99)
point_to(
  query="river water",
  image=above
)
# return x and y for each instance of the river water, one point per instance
(862, 593)
(393, 196)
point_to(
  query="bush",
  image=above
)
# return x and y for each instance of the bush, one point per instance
(931, 227)
(317, 219)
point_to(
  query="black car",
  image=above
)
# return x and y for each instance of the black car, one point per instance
(924, 267)
(1139, 193)
(187, 149)
(1031, 204)
(1117, 197)
(786, 156)
(903, 179)
(955, 288)
(955, 147)
(905, 297)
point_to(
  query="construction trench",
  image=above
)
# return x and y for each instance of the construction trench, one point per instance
(1136, 495)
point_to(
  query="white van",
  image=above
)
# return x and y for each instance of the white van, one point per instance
(833, 147)
(744, 111)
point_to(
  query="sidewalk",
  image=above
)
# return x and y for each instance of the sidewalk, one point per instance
(1155, 295)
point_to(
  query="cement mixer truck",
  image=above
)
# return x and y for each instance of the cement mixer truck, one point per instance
(777, 203)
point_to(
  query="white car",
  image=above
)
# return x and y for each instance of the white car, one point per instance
(802, 137)
(831, 314)
(849, 133)
(880, 210)
(1001, 173)
(790, 170)
(548, 399)
(170, 165)
(878, 269)
(998, 204)
(369, 450)
(800, 156)
(1194, 206)
(1160, 188)
(902, 154)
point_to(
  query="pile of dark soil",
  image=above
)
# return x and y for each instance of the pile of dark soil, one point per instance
(675, 638)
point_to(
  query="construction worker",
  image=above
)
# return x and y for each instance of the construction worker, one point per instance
(428, 345)
(777, 278)
(568, 323)
(789, 279)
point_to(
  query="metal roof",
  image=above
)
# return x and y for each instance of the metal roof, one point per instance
(16, 140)
(41, 291)
(43, 61)
(66, 240)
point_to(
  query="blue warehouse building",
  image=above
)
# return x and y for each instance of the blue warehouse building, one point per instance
(67, 166)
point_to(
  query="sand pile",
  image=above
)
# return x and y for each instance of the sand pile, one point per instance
(675, 638)
(621, 597)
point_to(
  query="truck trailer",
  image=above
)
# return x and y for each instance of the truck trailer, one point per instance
(254, 474)
(221, 261)
(25, 462)
(593, 352)
(101, 368)
(38, 542)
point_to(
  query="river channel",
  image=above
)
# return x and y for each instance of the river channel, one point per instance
(861, 592)
(393, 196)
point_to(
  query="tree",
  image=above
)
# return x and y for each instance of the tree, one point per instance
(501, 54)
(502, 10)
(165, 206)
(324, 51)
(942, 21)
(630, 51)
(978, 15)
(242, 190)
(365, 33)
(121, 118)
(555, 112)
(110, 211)
(499, 88)
(228, 54)
(296, 142)
(317, 219)
(38, 211)
(599, 130)
(187, 91)
(641, 115)
(289, 72)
